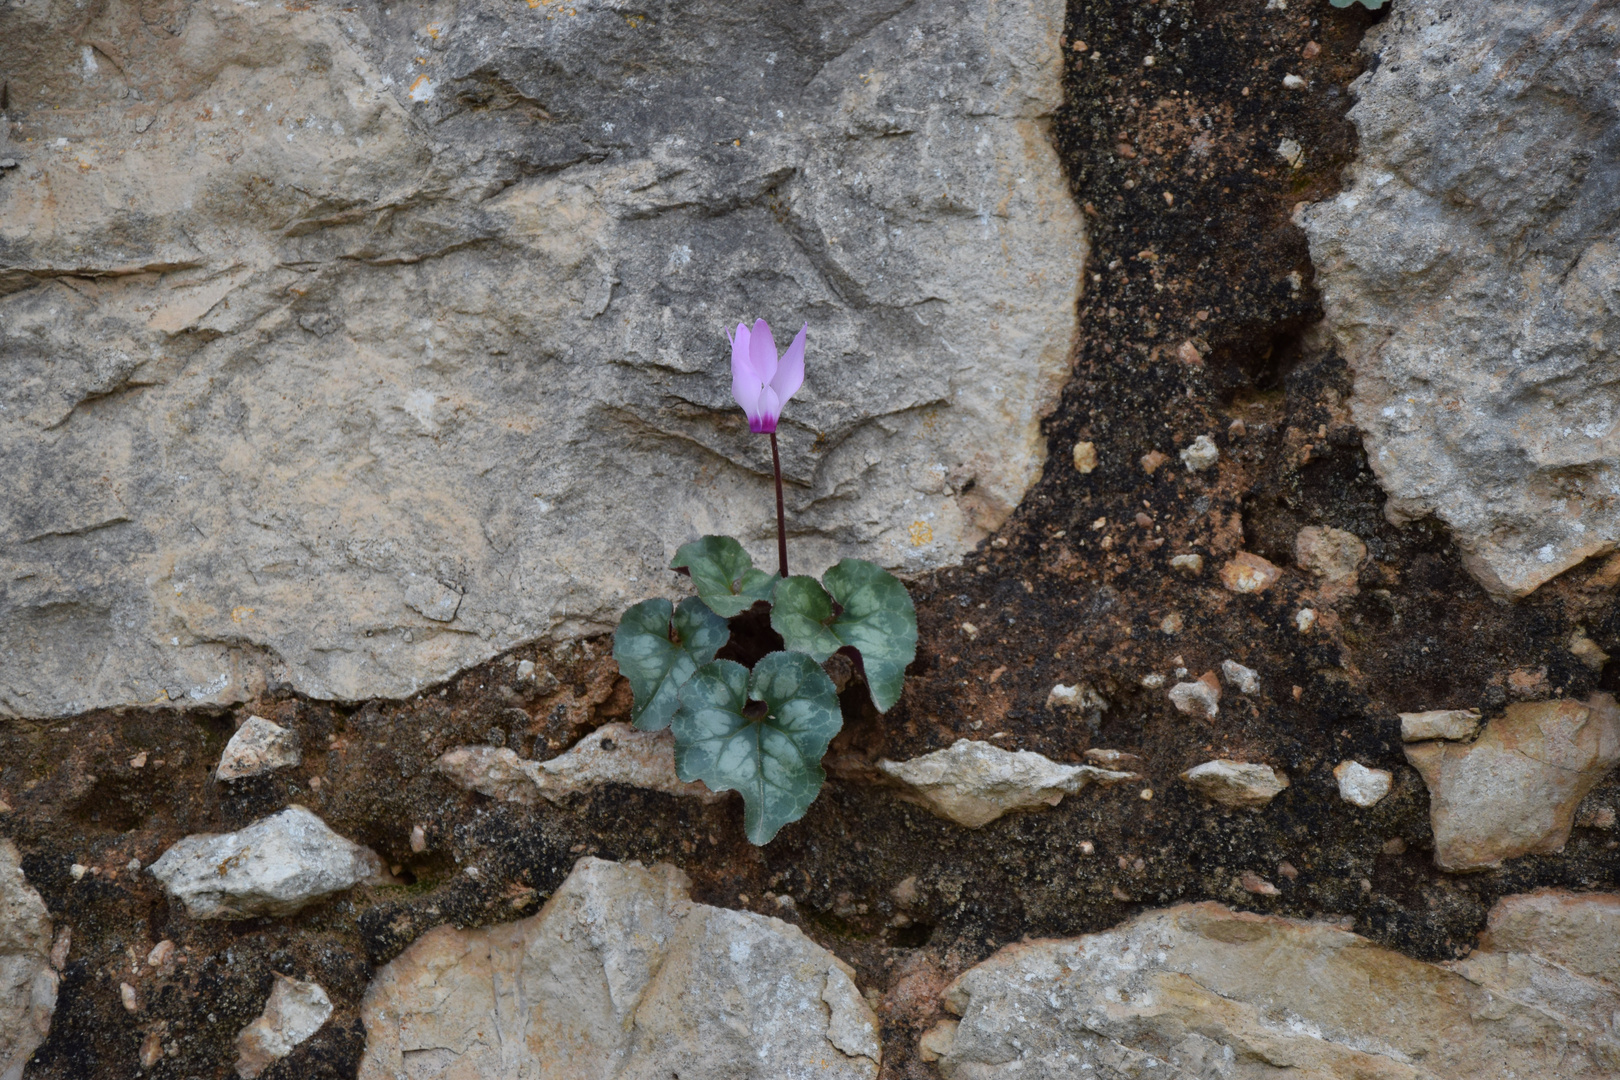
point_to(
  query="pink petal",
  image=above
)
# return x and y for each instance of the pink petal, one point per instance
(762, 350)
(790, 372)
(770, 408)
(745, 382)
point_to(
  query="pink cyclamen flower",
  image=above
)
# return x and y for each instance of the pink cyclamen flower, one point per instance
(760, 382)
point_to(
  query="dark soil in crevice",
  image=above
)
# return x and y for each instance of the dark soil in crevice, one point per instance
(1199, 317)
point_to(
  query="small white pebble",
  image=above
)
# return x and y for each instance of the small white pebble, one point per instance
(418, 839)
(1152, 681)
(1146, 794)
(133, 865)
(1171, 623)
(1305, 619)
(1200, 454)
(1360, 785)
(1293, 82)
(525, 669)
(127, 993)
(1246, 679)
(1191, 565)
(78, 870)
(1087, 847)
(1085, 457)
(970, 630)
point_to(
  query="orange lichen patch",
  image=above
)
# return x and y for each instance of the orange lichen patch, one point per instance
(921, 533)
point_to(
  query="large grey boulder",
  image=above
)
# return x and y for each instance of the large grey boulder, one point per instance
(275, 866)
(345, 347)
(28, 982)
(1203, 991)
(619, 975)
(1469, 271)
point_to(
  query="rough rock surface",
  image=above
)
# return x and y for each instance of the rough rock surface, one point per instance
(1236, 783)
(972, 783)
(258, 746)
(1513, 791)
(1204, 991)
(27, 980)
(620, 974)
(326, 326)
(612, 754)
(1469, 270)
(1331, 554)
(1360, 785)
(1455, 724)
(273, 867)
(295, 1011)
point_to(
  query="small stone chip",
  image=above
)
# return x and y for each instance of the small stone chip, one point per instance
(1085, 457)
(1455, 724)
(1249, 573)
(1188, 565)
(1360, 785)
(1246, 679)
(1200, 454)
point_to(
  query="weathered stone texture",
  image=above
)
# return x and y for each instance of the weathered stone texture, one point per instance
(28, 980)
(1203, 991)
(275, 866)
(612, 754)
(973, 783)
(620, 974)
(1470, 272)
(1514, 790)
(344, 347)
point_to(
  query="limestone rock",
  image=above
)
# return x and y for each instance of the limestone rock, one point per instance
(1514, 790)
(1200, 697)
(1245, 679)
(275, 866)
(27, 980)
(1203, 991)
(1249, 573)
(972, 783)
(1468, 271)
(258, 746)
(1236, 783)
(612, 754)
(1331, 554)
(620, 974)
(296, 1010)
(1200, 454)
(325, 325)
(1456, 724)
(1082, 698)
(1360, 785)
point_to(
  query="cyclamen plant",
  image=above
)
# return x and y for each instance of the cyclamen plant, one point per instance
(762, 732)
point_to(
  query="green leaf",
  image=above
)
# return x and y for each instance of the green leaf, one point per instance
(876, 617)
(658, 646)
(724, 575)
(773, 759)
(802, 613)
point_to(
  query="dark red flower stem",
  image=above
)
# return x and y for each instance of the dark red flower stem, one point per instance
(781, 516)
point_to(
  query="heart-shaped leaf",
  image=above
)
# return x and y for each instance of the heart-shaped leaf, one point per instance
(725, 577)
(874, 615)
(658, 646)
(802, 612)
(761, 735)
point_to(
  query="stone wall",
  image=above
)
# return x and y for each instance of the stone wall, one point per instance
(345, 348)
